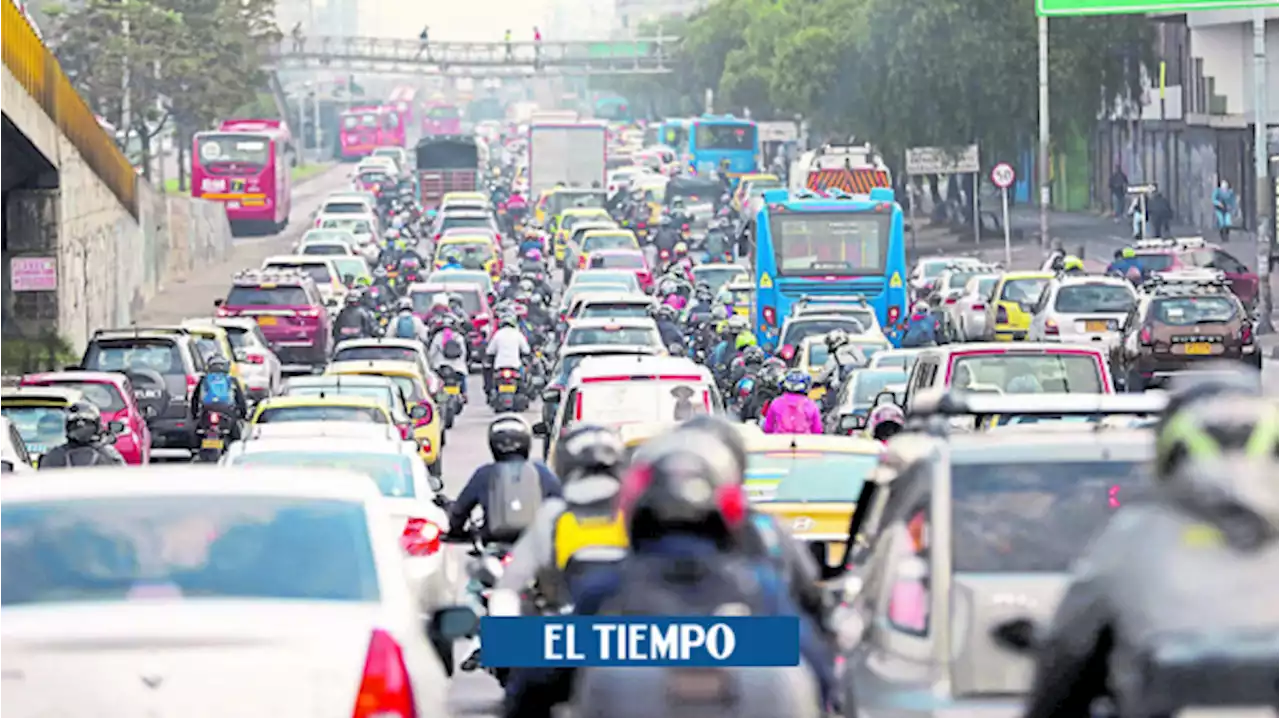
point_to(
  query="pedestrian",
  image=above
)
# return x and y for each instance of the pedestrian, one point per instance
(1159, 212)
(537, 47)
(424, 40)
(1119, 186)
(297, 37)
(1224, 207)
(506, 39)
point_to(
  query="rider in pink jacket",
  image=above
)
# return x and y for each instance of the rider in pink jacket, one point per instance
(793, 412)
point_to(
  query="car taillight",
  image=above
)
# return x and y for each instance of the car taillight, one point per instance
(979, 307)
(214, 418)
(192, 381)
(405, 432)
(951, 300)
(385, 690)
(426, 417)
(582, 261)
(1002, 315)
(308, 313)
(1050, 328)
(894, 313)
(1144, 336)
(664, 254)
(255, 359)
(770, 316)
(224, 312)
(420, 537)
(577, 408)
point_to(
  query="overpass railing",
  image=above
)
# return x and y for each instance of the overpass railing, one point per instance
(37, 70)
(638, 55)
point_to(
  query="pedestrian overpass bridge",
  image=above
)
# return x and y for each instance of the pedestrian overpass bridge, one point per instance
(85, 240)
(645, 56)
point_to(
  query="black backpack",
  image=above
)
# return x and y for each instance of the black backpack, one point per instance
(452, 348)
(515, 494)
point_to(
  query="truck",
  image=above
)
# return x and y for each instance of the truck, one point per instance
(856, 169)
(446, 163)
(572, 153)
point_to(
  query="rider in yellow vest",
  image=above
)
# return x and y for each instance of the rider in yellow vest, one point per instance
(570, 535)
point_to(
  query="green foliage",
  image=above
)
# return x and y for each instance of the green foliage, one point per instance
(905, 73)
(48, 352)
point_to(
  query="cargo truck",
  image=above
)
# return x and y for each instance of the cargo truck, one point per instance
(572, 153)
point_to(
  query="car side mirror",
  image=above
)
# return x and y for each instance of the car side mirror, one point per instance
(116, 427)
(850, 423)
(540, 429)
(219, 302)
(436, 483)
(1017, 635)
(551, 396)
(453, 623)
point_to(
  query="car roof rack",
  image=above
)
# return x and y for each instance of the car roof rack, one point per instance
(268, 276)
(1170, 243)
(965, 404)
(1199, 281)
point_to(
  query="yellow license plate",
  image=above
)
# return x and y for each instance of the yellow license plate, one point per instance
(1095, 326)
(817, 393)
(507, 389)
(211, 444)
(453, 390)
(1200, 348)
(266, 321)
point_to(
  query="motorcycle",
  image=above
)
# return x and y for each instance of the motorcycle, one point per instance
(214, 430)
(506, 395)
(453, 394)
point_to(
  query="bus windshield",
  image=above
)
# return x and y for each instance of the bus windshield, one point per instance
(234, 148)
(443, 112)
(736, 136)
(815, 243)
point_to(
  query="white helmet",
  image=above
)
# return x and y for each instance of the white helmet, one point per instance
(440, 300)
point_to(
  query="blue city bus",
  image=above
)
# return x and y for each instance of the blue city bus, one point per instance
(715, 138)
(838, 245)
(672, 132)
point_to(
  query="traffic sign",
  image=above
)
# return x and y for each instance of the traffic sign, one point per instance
(1002, 175)
(1068, 8)
(942, 161)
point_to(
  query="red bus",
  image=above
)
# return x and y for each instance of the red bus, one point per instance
(359, 131)
(441, 118)
(404, 102)
(246, 164)
(392, 129)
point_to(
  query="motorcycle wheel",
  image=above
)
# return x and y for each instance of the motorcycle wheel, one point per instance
(208, 456)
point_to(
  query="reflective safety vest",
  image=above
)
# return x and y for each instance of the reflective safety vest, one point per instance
(574, 532)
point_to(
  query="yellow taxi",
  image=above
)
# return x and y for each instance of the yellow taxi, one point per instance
(466, 198)
(812, 355)
(340, 407)
(741, 292)
(557, 199)
(810, 483)
(212, 338)
(562, 225)
(753, 185)
(1009, 314)
(636, 435)
(428, 425)
(472, 252)
(39, 413)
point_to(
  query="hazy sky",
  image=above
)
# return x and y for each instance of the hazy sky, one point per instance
(462, 20)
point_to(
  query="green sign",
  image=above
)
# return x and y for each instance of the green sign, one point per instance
(614, 50)
(1067, 8)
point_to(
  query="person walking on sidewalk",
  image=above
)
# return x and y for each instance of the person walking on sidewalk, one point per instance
(1119, 186)
(537, 47)
(1224, 208)
(1159, 212)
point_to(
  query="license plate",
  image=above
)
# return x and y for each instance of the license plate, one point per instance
(817, 393)
(1095, 326)
(266, 321)
(211, 444)
(507, 389)
(453, 390)
(1200, 348)
(698, 685)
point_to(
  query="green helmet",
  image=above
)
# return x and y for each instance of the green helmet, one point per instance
(744, 340)
(1128, 253)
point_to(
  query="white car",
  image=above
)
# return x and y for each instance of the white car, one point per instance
(211, 591)
(396, 155)
(967, 315)
(363, 227)
(322, 271)
(848, 306)
(902, 359)
(368, 199)
(614, 331)
(375, 163)
(927, 269)
(1082, 309)
(327, 248)
(13, 451)
(259, 365)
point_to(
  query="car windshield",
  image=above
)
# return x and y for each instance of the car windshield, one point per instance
(562, 200)
(111, 549)
(238, 337)
(618, 260)
(619, 310)
(353, 266)
(957, 280)
(627, 336)
(903, 360)
(273, 296)
(376, 353)
(821, 243)
(717, 277)
(625, 402)
(987, 285)
(608, 241)
(1149, 263)
(345, 208)
(352, 226)
(572, 220)
(318, 272)
(104, 396)
(598, 279)
(1026, 373)
(455, 222)
(869, 383)
(461, 278)
(470, 256)
(1187, 311)
(807, 475)
(280, 414)
(380, 394)
(158, 355)
(1036, 516)
(1094, 298)
(41, 427)
(393, 473)
(1022, 291)
(797, 331)
(332, 235)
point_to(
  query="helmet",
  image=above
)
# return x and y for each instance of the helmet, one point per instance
(774, 364)
(684, 484)
(744, 340)
(589, 450)
(527, 285)
(510, 273)
(1222, 383)
(1128, 253)
(921, 307)
(722, 432)
(1072, 263)
(404, 304)
(533, 255)
(753, 355)
(738, 324)
(362, 281)
(380, 272)
(455, 301)
(510, 437)
(837, 338)
(510, 320)
(719, 313)
(217, 364)
(677, 203)
(666, 312)
(680, 249)
(885, 421)
(391, 234)
(83, 422)
(352, 299)
(796, 382)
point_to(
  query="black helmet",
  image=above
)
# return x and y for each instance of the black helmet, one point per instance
(589, 450)
(723, 432)
(753, 355)
(510, 437)
(680, 486)
(217, 364)
(84, 422)
(1223, 380)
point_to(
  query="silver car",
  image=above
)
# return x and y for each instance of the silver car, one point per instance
(967, 315)
(1082, 309)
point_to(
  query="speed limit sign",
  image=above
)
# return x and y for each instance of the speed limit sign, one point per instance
(1002, 175)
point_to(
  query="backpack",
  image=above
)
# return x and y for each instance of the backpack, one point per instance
(792, 419)
(405, 328)
(515, 494)
(450, 347)
(216, 390)
(703, 586)
(920, 332)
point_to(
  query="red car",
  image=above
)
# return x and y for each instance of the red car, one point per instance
(632, 259)
(1176, 255)
(113, 394)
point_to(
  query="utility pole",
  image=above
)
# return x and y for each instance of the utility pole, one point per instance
(1264, 196)
(1042, 165)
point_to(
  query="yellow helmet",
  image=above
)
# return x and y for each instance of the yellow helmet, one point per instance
(1072, 262)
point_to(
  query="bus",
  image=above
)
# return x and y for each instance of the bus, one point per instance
(672, 132)
(246, 165)
(441, 118)
(359, 131)
(712, 139)
(404, 104)
(809, 245)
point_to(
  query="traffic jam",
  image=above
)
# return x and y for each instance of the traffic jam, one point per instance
(941, 437)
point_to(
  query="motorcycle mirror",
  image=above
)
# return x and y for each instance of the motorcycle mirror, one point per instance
(453, 623)
(436, 483)
(885, 397)
(551, 396)
(540, 428)
(116, 427)
(218, 302)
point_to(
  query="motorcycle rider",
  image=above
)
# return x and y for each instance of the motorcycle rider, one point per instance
(510, 439)
(843, 357)
(1190, 566)
(923, 328)
(701, 305)
(794, 412)
(748, 361)
(1072, 265)
(219, 392)
(88, 441)
(354, 321)
(406, 324)
(448, 348)
(668, 330)
(723, 354)
(507, 349)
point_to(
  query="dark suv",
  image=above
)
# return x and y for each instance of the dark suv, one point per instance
(164, 366)
(288, 309)
(1177, 324)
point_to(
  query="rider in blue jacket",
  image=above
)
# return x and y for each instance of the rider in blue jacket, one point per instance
(923, 328)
